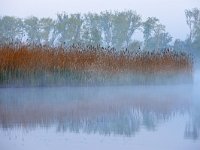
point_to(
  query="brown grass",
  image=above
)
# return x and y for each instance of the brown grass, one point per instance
(25, 61)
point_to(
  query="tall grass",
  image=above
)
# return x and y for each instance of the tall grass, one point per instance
(38, 65)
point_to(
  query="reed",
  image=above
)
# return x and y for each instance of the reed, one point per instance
(25, 64)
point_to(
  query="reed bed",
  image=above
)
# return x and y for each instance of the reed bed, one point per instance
(40, 65)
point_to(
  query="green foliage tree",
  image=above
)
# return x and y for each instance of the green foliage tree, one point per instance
(11, 29)
(180, 45)
(92, 33)
(106, 27)
(135, 45)
(118, 27)
(134, 23)
(155, 35)
(114, 29)
(68, 28)
(46, 27)
(148, 28)
(193, 22)
(32, 29)
(124, 25)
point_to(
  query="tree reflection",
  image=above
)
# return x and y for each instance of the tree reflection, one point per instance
(192, 128)
(121, 113)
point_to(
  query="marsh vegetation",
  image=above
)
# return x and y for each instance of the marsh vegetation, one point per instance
(23, 65)
(86, 79)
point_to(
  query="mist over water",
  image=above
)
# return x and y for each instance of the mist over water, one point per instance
(101, 112)
(95, 75)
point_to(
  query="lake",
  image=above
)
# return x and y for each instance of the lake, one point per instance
(101, 117)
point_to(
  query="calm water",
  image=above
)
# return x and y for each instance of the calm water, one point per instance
(124, 117)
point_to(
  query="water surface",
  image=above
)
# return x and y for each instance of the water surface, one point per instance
(104, 117)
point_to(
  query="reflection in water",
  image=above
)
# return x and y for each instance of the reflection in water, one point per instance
(193, 126)
(104, 110)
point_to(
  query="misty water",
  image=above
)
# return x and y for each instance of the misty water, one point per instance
(101, 117)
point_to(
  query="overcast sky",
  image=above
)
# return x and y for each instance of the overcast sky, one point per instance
(170, 12)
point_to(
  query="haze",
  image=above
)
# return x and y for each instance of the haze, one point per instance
(170, 12)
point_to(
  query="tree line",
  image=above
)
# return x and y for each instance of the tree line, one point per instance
(109, 29)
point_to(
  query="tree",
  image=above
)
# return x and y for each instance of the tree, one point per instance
(134, 23)
(148, 27)
(10, 29)
(124, 25)
(46, 27)
(74, 28)
(68, 28)
(119, 29)
(155, 36)
(188, 15)
(106, 27)
(135, 46)
(180, 45)
(158, 34)
(193, 22)
(92, 33)
(32, 29)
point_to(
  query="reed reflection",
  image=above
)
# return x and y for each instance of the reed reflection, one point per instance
(104, 110)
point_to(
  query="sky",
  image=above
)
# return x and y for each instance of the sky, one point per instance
(169, 12)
